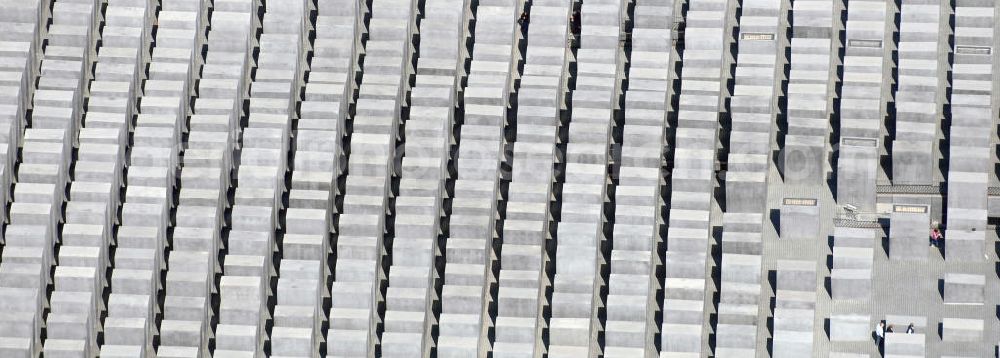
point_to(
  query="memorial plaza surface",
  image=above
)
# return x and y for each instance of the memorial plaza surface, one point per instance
(498, 178)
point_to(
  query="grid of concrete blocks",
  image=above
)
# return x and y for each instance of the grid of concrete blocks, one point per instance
(498, 178)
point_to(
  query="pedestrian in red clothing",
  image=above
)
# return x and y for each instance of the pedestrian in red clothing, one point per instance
(936, 237)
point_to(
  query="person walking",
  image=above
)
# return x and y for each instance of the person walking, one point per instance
(909, 329)
(523, 23)
(574, 28)
(879, 334)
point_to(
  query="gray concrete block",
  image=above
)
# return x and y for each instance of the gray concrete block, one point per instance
(850, 328)
(909, 231)
(964, 288)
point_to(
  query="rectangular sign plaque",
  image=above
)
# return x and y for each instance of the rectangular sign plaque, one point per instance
(757, 36)
(973, 50)
(859, 142)
(916, 209)
(865, 43)
(799, 201)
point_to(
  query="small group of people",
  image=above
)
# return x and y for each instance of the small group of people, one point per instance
(881, 329)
